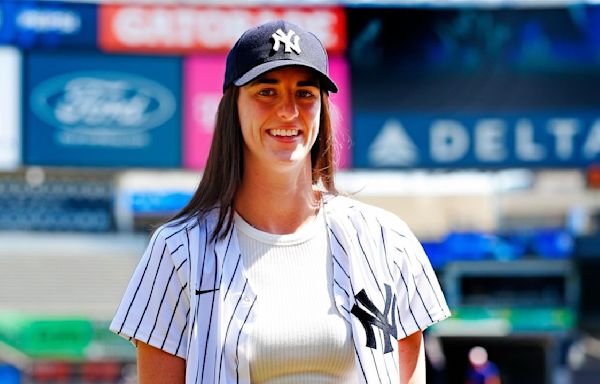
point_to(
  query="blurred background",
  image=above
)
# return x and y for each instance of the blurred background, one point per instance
(477, 122)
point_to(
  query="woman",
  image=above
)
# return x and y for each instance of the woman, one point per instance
(267, 276)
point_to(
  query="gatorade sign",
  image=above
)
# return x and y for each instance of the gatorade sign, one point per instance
(184, 29)
(482, 141)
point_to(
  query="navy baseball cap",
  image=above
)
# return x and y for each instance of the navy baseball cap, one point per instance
(272, 45)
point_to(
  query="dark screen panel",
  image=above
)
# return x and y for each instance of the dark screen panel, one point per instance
(475, 60)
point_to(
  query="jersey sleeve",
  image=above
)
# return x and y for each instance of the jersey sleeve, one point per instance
(420, 300)
(155, 306)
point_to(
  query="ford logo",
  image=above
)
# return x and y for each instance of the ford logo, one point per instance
(102, 103)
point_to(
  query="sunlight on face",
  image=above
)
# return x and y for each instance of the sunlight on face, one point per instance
(279, 115)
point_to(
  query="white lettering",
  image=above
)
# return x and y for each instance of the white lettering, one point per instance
(526, 148)
(163, 29)
(95, 102)
(392, 146)
(266, 15)
(591, 148)
(208, 27)
(286, 38)
(205, 108)
(185, 27)
(214, 29)
(563, 130)
(319, 23)
(489, 135)
(129, 26)
(135, 140)
(41, 21)
(449, 141)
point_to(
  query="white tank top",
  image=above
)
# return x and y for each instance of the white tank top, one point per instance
(298, 335)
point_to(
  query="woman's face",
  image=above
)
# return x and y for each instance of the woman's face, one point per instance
(279, 114)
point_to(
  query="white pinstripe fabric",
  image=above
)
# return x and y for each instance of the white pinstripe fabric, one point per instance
(189, 295)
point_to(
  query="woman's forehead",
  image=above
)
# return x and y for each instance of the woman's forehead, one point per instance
(302, 73)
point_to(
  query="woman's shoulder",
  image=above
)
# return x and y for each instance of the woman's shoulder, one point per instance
(182, 226)
(351, 208)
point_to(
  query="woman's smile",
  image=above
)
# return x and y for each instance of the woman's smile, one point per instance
(284, 132)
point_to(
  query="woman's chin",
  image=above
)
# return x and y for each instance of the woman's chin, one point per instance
(291, 157)
(289, 161)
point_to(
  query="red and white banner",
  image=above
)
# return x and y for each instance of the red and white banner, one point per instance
(186, 29)
(203, 78)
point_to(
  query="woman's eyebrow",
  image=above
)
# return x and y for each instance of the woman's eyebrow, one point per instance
(309, 83)
(302, 83)
(265, 80)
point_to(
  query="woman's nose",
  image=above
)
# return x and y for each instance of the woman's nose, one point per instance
(288, 109)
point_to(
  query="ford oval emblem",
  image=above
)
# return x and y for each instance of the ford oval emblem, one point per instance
(102, 103)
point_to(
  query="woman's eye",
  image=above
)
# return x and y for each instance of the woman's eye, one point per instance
(266, 92)
(304, 93)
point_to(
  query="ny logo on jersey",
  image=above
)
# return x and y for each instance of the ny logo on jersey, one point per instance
(376, 318)
(281, 37)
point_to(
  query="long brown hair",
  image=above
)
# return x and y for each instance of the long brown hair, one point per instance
(225, 165)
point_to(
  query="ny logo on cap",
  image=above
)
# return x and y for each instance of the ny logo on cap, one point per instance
(281, 37)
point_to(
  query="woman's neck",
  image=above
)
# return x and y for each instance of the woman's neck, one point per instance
(277, 203)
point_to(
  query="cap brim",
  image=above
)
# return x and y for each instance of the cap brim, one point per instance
(252, 74)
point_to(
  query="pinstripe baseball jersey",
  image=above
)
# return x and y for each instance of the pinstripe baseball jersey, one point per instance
(189, 295)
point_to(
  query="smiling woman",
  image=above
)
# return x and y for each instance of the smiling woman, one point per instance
(268, 275)
(279, 115)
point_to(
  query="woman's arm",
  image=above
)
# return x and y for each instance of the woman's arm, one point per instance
(412, 359)
(158, 367)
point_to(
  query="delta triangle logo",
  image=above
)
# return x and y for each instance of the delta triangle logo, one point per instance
(393, 147)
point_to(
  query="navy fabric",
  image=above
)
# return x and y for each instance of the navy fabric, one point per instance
(254, 54)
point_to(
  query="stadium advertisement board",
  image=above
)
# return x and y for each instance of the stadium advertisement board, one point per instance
(189, 28)
(476, 140)
(48, 24)
(88, 109)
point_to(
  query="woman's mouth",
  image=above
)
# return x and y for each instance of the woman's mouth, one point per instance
(284, 132)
